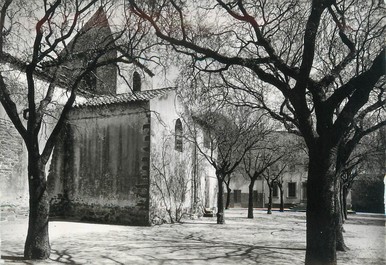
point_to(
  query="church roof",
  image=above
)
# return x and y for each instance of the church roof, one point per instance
(95, 32)
(123, 98)
(99, 19)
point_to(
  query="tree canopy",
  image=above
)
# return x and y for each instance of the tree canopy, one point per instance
(322, 61)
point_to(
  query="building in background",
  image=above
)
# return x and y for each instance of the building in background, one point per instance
(294, 188)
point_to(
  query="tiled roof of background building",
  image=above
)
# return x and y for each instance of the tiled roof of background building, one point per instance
(123, 98)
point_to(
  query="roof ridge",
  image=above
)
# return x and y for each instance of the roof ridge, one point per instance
(132, 96)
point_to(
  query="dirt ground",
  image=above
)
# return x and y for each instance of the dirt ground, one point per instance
(267, 239)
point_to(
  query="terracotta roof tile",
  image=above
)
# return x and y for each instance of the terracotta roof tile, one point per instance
(123, 98)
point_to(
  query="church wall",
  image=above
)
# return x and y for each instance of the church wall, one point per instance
(169, 169)
(102, 167)
(13, 170)
(181, 171)
(207, 191)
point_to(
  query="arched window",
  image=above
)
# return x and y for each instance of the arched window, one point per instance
(178, 135)
(136, 81)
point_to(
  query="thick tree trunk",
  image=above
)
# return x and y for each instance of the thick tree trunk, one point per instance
(229, 190)
(321, 211)
(37, 244)
(281, 198)
(269, 210)
(250, 198)
(220, 201)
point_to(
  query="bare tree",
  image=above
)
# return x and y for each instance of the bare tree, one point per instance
(255, 165)
(277, 152)
(227, 183)
(44, 46)
(229, 141)
(317, 56)
(169, 184)
(271, 176)
(355, 154)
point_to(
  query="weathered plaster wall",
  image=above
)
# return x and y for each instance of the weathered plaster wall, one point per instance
(167, 164)
(185, 172)
(207, 193)
(101, 169)
(13, 175)
(122, 83)
(239, 182)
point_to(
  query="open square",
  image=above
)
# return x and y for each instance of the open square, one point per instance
(267, 239)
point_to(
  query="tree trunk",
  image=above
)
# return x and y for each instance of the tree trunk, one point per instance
(340, 244)
(344, 203)
(269, 210)
(250, 198)
(229, 190)
(340, 198)
(321, 215)
(281, 198)
(220, 201)
(37, 244)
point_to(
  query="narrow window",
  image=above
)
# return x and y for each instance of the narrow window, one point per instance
(136, 81)
(292, 189)
(178, 135)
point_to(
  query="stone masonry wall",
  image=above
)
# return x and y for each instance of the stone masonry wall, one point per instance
(13, 188)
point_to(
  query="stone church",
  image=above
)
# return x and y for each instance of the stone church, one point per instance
(120, 154)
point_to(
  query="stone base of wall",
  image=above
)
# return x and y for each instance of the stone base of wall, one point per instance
(63, 209)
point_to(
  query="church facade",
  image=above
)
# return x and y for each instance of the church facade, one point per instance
(122, 152)
(120, 157)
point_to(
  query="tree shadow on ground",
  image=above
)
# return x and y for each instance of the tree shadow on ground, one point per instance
(120, 263)
(61, 257)
(213, 251)
(15, 258)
